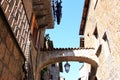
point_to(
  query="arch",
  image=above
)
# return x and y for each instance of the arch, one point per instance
(68, 58)
(83, 55)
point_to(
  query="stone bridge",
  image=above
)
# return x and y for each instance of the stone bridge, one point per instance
(54, 55)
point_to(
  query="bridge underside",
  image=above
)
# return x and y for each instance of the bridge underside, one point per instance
(58, 55)
(87, 55)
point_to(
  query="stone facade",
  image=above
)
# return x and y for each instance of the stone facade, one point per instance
(11, 56)
(22, 27)
(102, 31)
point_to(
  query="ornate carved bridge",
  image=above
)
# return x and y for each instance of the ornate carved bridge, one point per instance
(54, 55)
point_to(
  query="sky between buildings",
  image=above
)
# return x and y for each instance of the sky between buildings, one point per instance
(66, 34)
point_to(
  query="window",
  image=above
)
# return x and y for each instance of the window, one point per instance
(81, 42)
(95, 4)
(60, 67)
(34, 31)
(105, 37)
(96, 33)
(53, 65)
(51, 77)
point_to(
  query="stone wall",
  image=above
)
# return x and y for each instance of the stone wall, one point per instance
(11, 57)
(16, 16)
(34, 58)
(15, 24)
(28, 8)
(104, 15)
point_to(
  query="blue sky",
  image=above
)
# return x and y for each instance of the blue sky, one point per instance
(67, 33)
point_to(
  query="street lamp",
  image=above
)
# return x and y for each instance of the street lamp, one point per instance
(67, 67)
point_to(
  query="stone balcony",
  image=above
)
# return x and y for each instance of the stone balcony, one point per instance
(43, 12)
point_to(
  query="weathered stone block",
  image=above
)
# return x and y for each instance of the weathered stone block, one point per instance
(3, 32)
(11, 77)
(1, 67)
(0, 39)
(6, 57)
(9, 43)
(12, 65)
(16, 53)
(2, 50)
(4, 75)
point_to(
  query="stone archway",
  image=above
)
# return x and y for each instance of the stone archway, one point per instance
(68, 54)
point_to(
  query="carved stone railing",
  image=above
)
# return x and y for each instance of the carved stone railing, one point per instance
(16, 16)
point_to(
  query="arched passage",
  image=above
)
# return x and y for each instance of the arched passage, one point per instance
(68, 58)
(58, 55)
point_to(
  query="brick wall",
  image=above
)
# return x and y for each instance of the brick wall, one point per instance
(11, 58)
